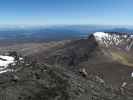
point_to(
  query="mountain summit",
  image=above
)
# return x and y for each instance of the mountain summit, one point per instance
(121, 40)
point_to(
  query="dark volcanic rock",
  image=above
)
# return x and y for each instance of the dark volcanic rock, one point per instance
(55, 83)
(75, 52)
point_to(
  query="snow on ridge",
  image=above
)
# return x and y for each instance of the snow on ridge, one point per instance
(100, 35)
(110, 39)
(106, 38)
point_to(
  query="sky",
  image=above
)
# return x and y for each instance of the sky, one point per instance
(70, 12)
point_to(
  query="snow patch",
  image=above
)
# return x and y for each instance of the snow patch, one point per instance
(132, 74)
(5, 61)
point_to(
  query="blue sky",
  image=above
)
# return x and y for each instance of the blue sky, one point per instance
(49, 12)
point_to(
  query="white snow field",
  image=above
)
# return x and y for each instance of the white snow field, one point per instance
(4, 63)
(6, 60)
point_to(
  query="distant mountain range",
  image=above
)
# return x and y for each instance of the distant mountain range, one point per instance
(43, 33)
(121, 30)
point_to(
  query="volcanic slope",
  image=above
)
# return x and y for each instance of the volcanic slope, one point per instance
(82, 69)
(110, 54)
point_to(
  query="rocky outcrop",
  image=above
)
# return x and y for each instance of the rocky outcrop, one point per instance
(47, 82)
